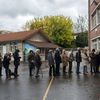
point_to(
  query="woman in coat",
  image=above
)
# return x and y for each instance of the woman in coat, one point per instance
(85, 60)
(93, 61)
(64, 59)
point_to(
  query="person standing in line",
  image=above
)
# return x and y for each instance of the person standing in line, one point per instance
(31, 57)
(64, 59)
(93, 61)
(57, 58)
(71, 59)
(0, 65)
(97, 61)
(85, 61)
(37, 62)
(10, 72)
(78, 61)
(6, 62)
(16, 62)
(51, 63)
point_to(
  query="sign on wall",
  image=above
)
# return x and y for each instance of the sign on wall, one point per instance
(28, 47)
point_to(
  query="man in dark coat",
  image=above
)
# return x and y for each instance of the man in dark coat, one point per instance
(93, 61)
(37, 62)
(31, 62)
(57, 58)
(78, 60)
(6, 62)
(16, 62)
(51, 63)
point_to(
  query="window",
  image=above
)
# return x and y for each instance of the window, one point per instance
(93, 20)
(94, 44)
(98, 15)
(99, 43)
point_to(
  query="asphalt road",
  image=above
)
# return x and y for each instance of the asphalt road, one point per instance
(69, 87)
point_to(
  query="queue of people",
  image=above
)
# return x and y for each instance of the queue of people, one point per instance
(84, 58)
(5, 62)
(55, 59)
(34, 62)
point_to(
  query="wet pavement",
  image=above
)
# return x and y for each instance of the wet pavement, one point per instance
(69, 87)
(75, 88)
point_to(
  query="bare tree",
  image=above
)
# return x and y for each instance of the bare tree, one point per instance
(81, 24)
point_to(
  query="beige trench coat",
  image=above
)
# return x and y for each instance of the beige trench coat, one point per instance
(64, 59)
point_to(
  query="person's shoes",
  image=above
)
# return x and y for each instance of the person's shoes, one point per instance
(64, 73)
(70, 72)
(50, 75)
(37, 76)
(30, 75)
(1, 75)
(91, 72)
(84, 73)
(58, 74)
(17, 75)
(97, 72)
(78, 72)
(8, 78)
(54, 74)
(12, 74)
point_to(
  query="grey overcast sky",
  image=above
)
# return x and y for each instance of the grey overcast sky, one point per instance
(14, 13)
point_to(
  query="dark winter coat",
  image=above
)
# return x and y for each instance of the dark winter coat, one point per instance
(78, 57)
(16, 58)
(37, 60)
(93, 59)
(6, 61)
(57, 57)
(50, 59)
(98, 59)
(71, 57)
(31, 58)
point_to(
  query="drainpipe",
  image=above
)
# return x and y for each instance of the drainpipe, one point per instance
(89, 42)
